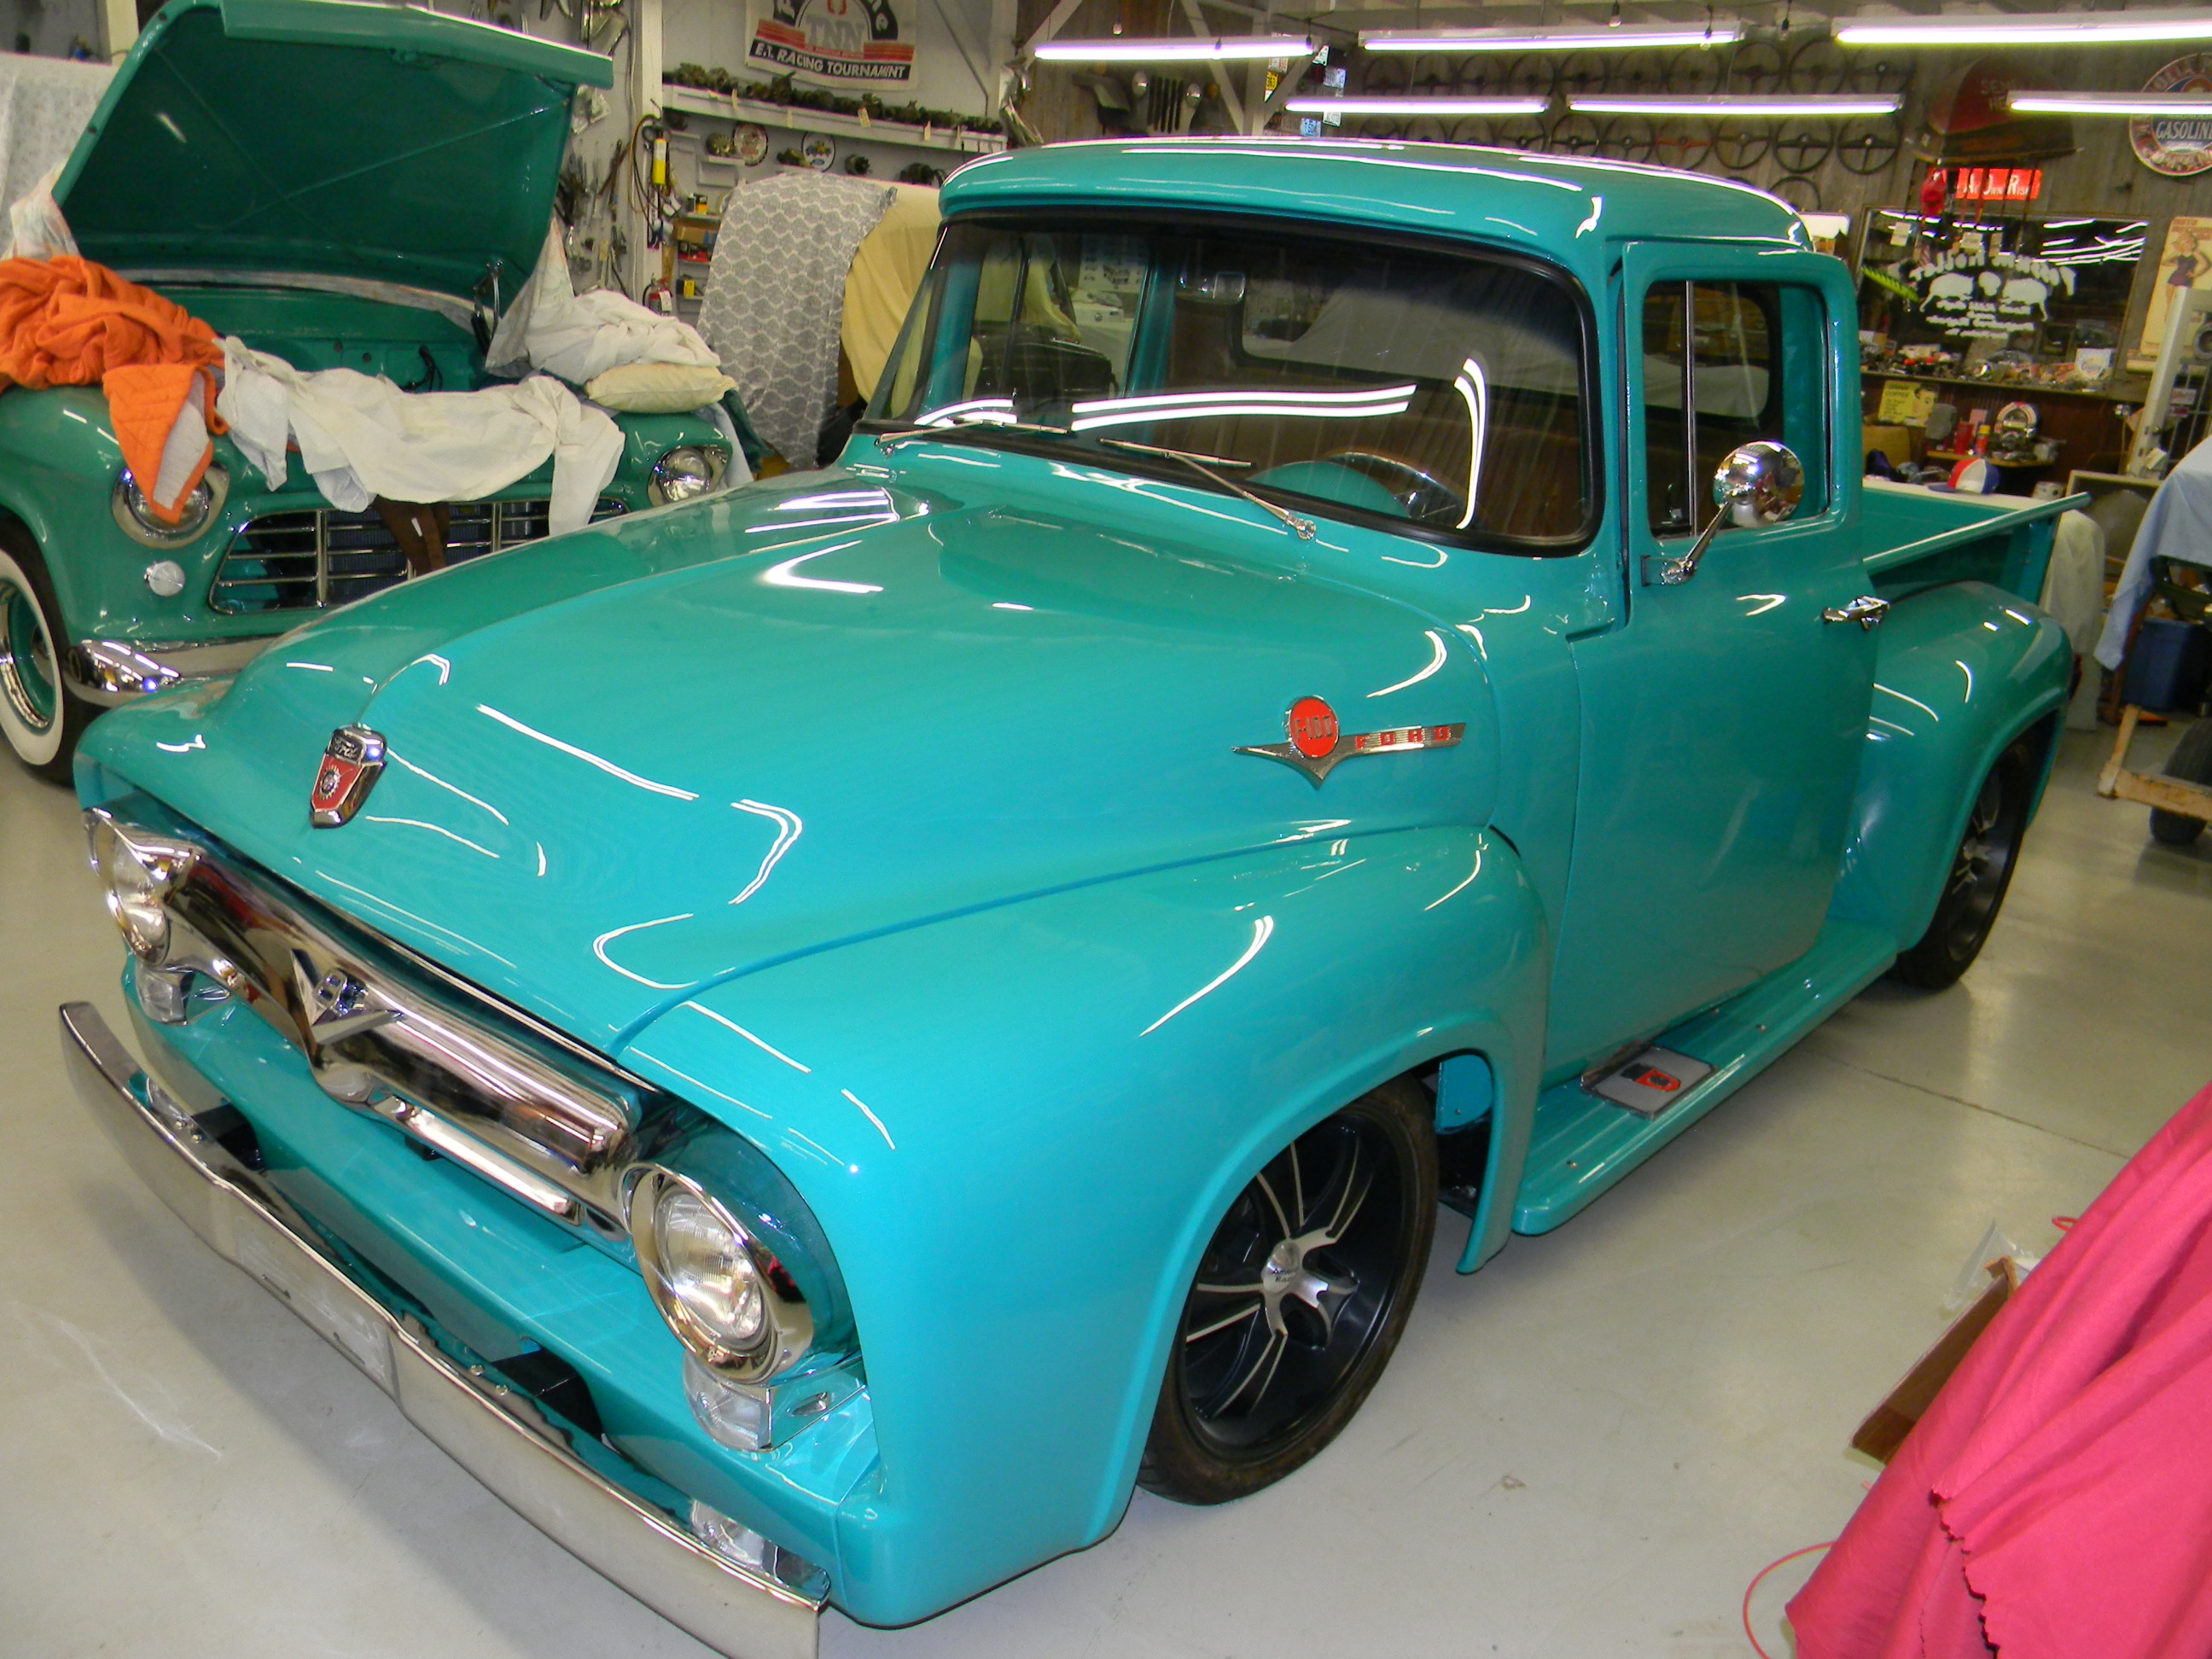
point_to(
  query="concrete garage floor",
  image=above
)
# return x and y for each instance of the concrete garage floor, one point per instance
(1588, 1449)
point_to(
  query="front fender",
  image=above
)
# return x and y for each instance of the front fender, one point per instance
(1963, 670)
(1019, 1127)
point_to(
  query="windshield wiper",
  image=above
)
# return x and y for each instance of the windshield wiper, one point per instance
(973, 424)
(1203, 464)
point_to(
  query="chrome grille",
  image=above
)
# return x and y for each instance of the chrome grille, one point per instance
(312, 557)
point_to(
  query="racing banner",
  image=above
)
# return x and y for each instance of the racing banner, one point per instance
(840, 42)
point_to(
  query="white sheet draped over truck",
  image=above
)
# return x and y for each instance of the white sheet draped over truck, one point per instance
(360, 437)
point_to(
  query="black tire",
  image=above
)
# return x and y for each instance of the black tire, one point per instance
(40, 718)
(2191, 761)
(1304, 1289)
(1981, 869)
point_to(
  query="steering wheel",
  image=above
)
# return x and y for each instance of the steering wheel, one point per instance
(1426, 499)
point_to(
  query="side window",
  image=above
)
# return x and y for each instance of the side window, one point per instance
(1725, 363)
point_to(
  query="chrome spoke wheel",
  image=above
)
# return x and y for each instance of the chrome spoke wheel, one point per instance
(1295, 1283)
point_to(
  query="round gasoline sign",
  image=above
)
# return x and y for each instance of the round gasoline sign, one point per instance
(2179, 146)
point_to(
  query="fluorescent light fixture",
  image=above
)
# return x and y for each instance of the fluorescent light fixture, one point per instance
(1176, 49)
(2111, 103)
(1420, 106)
(1572, 38)
(1838, 104)
(2051, 28)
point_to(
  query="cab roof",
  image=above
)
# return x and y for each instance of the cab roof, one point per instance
(1555, 205)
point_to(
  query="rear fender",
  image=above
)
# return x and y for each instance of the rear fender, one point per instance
(1963, 670)
(1019, 1126)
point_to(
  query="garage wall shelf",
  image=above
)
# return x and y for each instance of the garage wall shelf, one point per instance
(696, 100)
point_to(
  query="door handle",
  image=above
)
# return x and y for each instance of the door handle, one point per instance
(1866, 610)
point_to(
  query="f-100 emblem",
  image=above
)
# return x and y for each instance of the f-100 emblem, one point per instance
(1317, 743)
(348, 772)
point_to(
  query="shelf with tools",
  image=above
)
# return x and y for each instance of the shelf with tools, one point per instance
(793, 118)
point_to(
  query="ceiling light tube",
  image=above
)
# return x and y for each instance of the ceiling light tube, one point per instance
(1573, 38)
(1176, 49)
(2054, 28)
(1418, 106)
(1836, 104)
(2111, 103)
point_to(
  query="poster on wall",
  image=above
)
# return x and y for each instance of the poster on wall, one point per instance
(2179, 146)
(2186, 262)
(834, 42)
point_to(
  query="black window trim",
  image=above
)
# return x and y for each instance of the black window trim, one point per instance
(1060, 218)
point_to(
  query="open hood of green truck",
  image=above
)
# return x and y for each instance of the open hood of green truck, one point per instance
(327, 137)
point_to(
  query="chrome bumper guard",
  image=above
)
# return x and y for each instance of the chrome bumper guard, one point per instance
(111, 671)
(496, 1434)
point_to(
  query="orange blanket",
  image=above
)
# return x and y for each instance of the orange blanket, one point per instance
(71, 322)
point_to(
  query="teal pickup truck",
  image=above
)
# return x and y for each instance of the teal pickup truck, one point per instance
(346, 185)
(817, 1038)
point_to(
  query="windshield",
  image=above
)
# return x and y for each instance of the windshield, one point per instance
(1434, 390)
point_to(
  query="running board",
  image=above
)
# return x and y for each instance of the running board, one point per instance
(1581, 1143)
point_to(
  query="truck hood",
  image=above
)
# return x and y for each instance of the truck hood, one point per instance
(629, 763)
(326, 138)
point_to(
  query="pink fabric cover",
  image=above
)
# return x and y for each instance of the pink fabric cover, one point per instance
(2055, 1503)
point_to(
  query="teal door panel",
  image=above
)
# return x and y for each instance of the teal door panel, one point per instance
(1723, 722)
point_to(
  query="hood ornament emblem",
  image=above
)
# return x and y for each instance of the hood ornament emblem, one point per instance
(1317, 743)
(348, 772)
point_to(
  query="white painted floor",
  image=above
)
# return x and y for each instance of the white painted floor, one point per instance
(1586, 1450)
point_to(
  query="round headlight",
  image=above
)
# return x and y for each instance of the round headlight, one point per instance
(136, 515)
(704, 1261)
(139, 872)
(685, 472)
(727, 1298)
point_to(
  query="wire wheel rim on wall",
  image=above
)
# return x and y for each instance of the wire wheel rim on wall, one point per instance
(1801, 149)
(1694, 70)
(1629, 138)
(1524, 132)
(1384, 72)
(1575, 135)
(1819, 65)
(1756, 66)
(1640, 74)
(1534, 74)
(1480, 75)
(1740, 146)
(1585, 73)
(1868, 147)
(1869, 73)
(1800, 190)
(1431, 74)
(1683, 143)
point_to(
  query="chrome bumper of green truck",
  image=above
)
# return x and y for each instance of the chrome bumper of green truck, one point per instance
(492, 1432)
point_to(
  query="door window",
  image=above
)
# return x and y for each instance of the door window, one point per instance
(1725, 363)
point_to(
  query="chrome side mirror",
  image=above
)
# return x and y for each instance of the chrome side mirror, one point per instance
(1760, 482)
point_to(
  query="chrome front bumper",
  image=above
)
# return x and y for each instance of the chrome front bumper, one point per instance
(495, 1433)
(111, 671)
